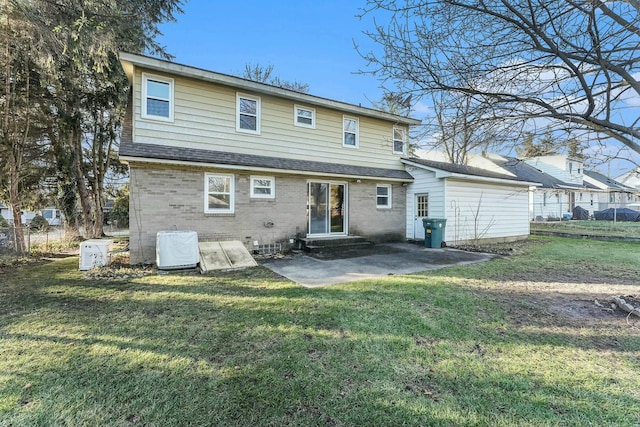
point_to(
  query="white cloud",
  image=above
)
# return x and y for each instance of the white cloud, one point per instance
(422, 109)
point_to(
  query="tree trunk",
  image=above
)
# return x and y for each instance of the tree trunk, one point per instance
(83, 192)
(16, 208)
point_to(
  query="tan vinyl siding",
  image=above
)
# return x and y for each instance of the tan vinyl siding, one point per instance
(205, 117)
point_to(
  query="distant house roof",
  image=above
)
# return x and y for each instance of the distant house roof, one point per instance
(470, 171)
(129, 59)
(154, 153)
(609, 182)
(525, 171)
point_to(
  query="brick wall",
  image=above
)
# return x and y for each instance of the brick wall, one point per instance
(377, 224)
(165, 198)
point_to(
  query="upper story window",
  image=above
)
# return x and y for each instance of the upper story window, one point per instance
(350, 131)
(399, 140)
(304, 117)
(218, 193)
(383, 196)
(157, 97)
(248, 113)
(263, 187)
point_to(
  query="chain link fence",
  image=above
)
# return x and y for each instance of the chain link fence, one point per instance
(32, 239)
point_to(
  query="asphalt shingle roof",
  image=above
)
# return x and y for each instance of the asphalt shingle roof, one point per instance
(163, 152)
(530, 173)
(609, 182)
(466, 170)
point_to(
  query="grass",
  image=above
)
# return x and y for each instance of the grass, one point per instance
(464, 346)
(593, 228)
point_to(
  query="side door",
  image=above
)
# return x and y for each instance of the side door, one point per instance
(421, 210)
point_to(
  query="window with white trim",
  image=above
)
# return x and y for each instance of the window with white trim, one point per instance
(218, 193)
(248, 113)
(263, 187)
(304, 117)
(399, 140)
(157, 97)
(350, 130)
(383, 196)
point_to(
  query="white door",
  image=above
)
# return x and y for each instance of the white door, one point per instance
(421, 211)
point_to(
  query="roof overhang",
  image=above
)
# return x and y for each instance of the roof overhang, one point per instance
(130, 61)
(190, 157)
(441, 174)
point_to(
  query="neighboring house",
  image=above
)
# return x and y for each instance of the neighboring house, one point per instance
(612, 194)
(5, 211)
(630, 179)
(565, 185)
(236, 159)
(53, 216)
(554, 198)
(478, 204)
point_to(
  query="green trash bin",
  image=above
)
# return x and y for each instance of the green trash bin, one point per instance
(433, 232)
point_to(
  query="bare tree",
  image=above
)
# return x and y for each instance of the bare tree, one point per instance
(461, 125)
(572, 63)
(264, 74)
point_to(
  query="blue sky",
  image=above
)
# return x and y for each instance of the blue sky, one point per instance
(306, 41)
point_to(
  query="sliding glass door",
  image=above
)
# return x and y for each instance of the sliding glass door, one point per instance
(327, 208)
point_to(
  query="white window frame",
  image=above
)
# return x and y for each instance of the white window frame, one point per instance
(145, 78)
(258, 114)
(404, 140)
(357, 132)
(296, 116)
(272, 187)
(231, 193)
(388, 196)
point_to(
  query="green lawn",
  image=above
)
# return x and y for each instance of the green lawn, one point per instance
(593, 228)
(465, 346)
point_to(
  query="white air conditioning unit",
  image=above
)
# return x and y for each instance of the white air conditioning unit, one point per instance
(177, 249)
(94, 253)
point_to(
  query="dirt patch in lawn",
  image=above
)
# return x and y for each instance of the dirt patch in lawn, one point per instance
(560, 305)
(573, 298)
(518, 247)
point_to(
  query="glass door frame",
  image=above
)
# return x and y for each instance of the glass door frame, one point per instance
(328, 209)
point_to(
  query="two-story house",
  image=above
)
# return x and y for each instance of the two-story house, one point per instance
(235, 159)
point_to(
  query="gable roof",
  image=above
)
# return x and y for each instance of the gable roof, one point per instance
(528, 172)
(609, 182)
(131, 60)
(462, 171)
(154, 153)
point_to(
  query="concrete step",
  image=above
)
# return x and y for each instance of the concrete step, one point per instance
(333, 243)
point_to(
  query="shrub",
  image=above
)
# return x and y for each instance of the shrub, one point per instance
(39, 223)
(120, 211)
(3, 222)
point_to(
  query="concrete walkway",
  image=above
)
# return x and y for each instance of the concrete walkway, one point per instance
(392, 258)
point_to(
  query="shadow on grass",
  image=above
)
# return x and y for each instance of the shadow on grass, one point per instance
(250, 349)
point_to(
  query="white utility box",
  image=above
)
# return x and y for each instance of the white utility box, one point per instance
(94, 253)
(177, 249)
